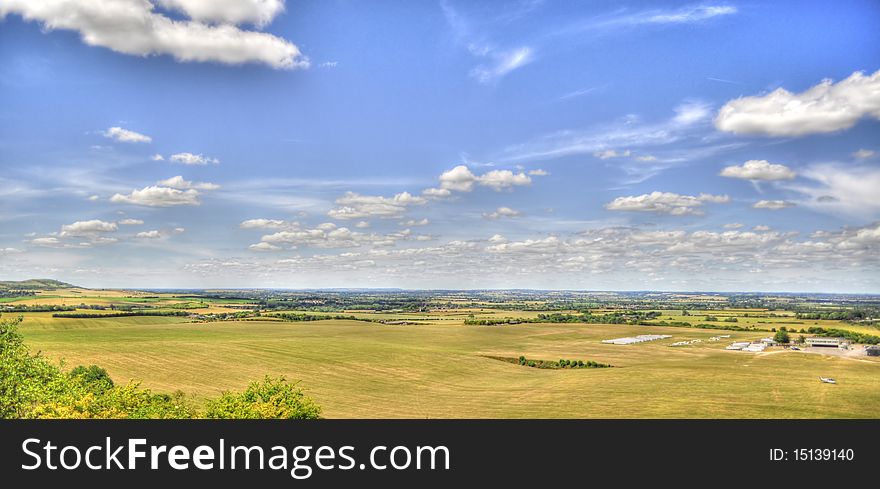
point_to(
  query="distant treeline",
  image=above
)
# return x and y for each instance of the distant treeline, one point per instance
(36, 308)
(291, 316)
(17, 293)
(844, 315)
(623, 317)
(89, 315)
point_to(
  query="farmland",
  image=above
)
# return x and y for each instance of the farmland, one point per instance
(413, 355)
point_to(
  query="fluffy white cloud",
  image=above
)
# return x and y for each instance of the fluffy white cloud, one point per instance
(154, 196)
(734, 225)
(258, 12)
(178, 182)
(87, 228)
(157, 157)
(133, 27)
(263, 246)
(436, 193)
(773, 205)
(266, 224)
(826, 107)
(362, 225)
(130, 222)
(326, 235)
(538, 172)
(759, 170)
(193, 159)
(665, 203)
(120, 134)
(356, 206)
(502, 212)
(154, 234)
(462, 179)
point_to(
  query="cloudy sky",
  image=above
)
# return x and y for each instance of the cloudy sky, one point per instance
(729, 146)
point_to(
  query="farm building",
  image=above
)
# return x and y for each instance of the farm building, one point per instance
(768, 341)
(637, 339)
(873, 351)
(827, 342)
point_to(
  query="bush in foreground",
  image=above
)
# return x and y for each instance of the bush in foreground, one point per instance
(273, 398)
(32, 387)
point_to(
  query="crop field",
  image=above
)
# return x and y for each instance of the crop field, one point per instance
(439, 367)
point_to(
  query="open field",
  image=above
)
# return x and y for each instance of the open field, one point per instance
(437, 366)
(357, 369)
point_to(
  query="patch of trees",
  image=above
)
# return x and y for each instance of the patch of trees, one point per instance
(491, 322)
(550, 364)
(89, 315)
(37, 308)
(839, 315)
(32, 387)
(843, 333)
(17, 293)
(289, 316)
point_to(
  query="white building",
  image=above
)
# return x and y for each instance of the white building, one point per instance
(827, 342)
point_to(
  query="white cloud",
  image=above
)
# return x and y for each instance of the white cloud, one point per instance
(646, 158)
(263, 246)
(87, 228)
(610, 153)
(413, 222)
(461, 179)
(266, 224)
(93, 198)
(841, 189)
(685, 15)
(503, 62)
(356, 206)
(665, 203)
(130, 222)
(362, 225)
(46, 241)
(257, 12)
(436, 193)
(734, 225)
(9, 251)
(154, 234)
(759, 170)
(120, 134)
(193, 159)
(154, 196)
(157, 157)
(502, 212)
(761, 228)
(133, 27)
(538, 173)
(178, 182)
(773, 205)
(823, 108)
(863, 154)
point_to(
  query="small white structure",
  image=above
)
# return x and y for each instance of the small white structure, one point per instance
(768, 341)
(637, 339)
(755, 347)
(738, 345)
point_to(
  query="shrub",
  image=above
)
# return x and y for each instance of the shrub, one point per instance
(273, 398)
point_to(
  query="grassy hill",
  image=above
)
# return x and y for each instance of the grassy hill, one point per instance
(34, 284)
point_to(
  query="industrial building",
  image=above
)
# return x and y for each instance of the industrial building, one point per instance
(827, 342)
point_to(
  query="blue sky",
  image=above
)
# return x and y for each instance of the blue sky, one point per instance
(729, 146)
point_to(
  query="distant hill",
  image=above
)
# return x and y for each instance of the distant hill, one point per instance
(34, 284)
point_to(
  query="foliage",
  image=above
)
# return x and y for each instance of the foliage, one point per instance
(273, 398)
(32, 387)
(781, 336)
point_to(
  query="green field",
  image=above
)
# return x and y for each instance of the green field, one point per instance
(436, 370)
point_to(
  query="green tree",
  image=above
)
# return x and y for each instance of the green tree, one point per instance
(781, 336)
(272, 398)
